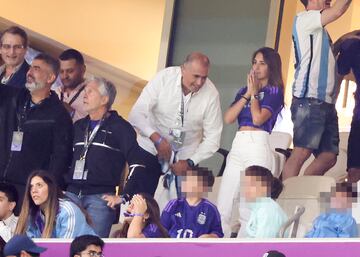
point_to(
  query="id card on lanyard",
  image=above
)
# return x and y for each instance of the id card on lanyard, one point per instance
(79, 171)
(18, 136)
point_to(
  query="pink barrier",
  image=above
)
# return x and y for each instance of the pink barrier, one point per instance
(214, 249)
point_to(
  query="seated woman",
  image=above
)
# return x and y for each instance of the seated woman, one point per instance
(142, 219)
(256, 108)
(45, 212)
(261, 189)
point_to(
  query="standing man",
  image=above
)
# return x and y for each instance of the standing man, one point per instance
(71, 93)
(349, 59)
(178, 117)
(314, 90)
(40, 133)
(14, 43)
(103, 143)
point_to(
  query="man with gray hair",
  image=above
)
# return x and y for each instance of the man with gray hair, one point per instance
(103, 143)
(38, 134)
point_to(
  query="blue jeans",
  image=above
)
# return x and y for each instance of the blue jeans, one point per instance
(101, 215)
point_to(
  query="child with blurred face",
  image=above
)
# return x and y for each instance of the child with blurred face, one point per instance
(142, 219)
(192, 215)
(337, 221)
(261, 189)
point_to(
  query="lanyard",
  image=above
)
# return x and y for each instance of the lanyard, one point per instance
(74, 97)
(182, 107)
(89, 137)
(22, 115)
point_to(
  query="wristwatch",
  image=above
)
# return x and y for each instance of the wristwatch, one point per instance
(190, 163)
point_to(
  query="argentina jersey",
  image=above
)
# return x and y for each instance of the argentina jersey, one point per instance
(185, 221)
(315, 67)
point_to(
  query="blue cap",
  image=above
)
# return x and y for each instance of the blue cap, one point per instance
(20, 243)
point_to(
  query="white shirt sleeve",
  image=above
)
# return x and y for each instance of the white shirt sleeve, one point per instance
(139, 114)
(212, 128)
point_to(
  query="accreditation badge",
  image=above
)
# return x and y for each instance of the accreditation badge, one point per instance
(17, 140)
(79, 170)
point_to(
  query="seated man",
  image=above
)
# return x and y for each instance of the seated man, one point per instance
(14, 43)
(193, 216)
(88, 245)
(8, 200)
(22, 246)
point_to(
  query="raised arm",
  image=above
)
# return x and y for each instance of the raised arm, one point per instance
(334, 12)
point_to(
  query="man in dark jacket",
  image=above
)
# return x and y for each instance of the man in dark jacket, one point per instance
(103, 143)
(13, 46)
(39, 135)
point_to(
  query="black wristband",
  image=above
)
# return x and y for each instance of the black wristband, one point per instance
(247, 99)
(190, 163)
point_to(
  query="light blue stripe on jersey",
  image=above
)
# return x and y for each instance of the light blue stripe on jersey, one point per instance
(297, 52)
(323, 71)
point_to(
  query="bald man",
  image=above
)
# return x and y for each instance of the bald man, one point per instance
(178, 117)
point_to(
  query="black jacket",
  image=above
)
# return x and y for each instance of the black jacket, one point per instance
(114, 145)
(47, 140)
(19, 77)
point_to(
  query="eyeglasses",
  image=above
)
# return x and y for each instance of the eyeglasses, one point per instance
(15, 47)
(94, 254)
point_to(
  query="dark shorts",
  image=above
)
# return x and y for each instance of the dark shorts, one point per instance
(353, 153)
(315, 125)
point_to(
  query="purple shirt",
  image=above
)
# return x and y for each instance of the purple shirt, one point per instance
(185, 221)
(349, 58)
(271, 98)
(152, 231)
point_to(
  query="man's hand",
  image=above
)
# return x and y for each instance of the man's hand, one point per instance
(163, 148)
(180, 167)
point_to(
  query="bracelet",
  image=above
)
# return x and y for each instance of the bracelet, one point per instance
(255, 97)
(157, 142)
(138, 214)
(247, 99)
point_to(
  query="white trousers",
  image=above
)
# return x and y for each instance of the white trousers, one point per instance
(248, 148)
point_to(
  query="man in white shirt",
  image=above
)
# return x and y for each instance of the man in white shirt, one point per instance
(178, 116)
(315, 89)
(8, 200)
(71, 93)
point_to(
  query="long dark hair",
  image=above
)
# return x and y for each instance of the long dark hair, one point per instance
(154, 217)
(273, 60)
(274, 185)
(29, 209)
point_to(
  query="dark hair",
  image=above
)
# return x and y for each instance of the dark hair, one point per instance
(49, 60)
(72, 54)
(274, 185)
(346, 187)
(203, 172)
(16, 31)
(273, 60)
(29, 209)
(154, 217)
(10, 192)
(305, 2)
(80, 243)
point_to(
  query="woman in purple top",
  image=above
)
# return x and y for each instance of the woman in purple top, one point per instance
(256, 107)
(142, 219)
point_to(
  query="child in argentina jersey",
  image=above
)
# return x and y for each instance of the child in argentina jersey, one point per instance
(193, 216)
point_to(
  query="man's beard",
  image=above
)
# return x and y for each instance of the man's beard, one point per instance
(33, 86)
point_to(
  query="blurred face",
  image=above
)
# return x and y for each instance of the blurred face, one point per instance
(255, 188)
(6, 207)
(39, 190)
(12, 50)
(39, 76)
(340, 201)
(93, 100)
(71, 73)
(194, 75)
(260, 67)
(193, 184)
(91, 251)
